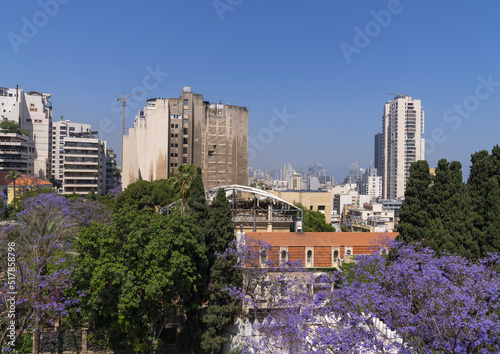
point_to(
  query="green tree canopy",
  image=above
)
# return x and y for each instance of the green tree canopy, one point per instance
(137, 272)
(414, 215)
(221, 310)
(10, 126)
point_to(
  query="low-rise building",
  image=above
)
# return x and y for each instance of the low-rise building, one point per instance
(322, 249)
(24, 184)
(315, 201)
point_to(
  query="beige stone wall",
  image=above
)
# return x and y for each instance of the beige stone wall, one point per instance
(308, 199)
(146, 146)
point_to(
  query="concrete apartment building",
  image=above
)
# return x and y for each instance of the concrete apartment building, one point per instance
(79, 158)
(170, 132)
(113, 178)
(33, 111)
(17, 153)
(370, 184)
(403, 126)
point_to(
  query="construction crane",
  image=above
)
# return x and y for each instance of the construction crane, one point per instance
(123, 117)
(396, 94)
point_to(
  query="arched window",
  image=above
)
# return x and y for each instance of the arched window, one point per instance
(283, 256)
(309, 257)
(336, 255)
(348, 252)
(263, 257)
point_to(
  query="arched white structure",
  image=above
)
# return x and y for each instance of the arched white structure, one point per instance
(265, 217)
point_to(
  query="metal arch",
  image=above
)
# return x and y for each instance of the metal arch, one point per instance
(211, 193)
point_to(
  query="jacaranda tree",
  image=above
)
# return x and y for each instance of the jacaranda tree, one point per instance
(417, 303)
(42, 272)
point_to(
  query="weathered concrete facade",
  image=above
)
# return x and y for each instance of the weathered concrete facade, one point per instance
(170, 132)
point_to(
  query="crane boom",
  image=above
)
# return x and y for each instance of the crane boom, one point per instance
(123, 117)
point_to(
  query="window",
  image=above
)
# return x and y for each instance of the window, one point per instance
(184, 141)
(185, 122)
(185, 131)
(185, 113)
(185, 150)
(283, 255)
(184, 160)
(186, 103)
(309, 257)
(335, 256)
(263, 257)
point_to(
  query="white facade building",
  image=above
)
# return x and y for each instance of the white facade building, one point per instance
(371, 184)
(33, 111)
(403, 126)
(79, 158)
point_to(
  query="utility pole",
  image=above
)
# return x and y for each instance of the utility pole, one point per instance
(123, 118)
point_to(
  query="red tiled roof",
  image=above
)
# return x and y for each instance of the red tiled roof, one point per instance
(315, 239)
(26, 180)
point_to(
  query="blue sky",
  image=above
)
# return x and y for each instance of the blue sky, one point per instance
(268, 55)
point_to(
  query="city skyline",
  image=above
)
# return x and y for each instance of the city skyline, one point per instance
(314, 79)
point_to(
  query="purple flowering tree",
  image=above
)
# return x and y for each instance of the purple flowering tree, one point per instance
(42, 238)
(416, 303)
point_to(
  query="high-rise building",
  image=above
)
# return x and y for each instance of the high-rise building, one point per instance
(170, 132)
(379, 153)
(286, 172)
(403, 126)
(113, 177)
(295, 181)
(370, 184)
(79, 158)
(33, 112)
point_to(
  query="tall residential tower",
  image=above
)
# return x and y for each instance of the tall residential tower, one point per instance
(403, 144)
(33, 112)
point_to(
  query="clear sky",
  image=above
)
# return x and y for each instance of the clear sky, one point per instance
(327, 64)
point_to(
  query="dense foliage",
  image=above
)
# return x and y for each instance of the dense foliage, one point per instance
(41, 241)
(136, 273)
(444, 213)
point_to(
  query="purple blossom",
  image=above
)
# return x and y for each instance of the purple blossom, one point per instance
(419, 302)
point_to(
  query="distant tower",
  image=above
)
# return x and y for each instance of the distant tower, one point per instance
(403, 126)
(379, 153)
